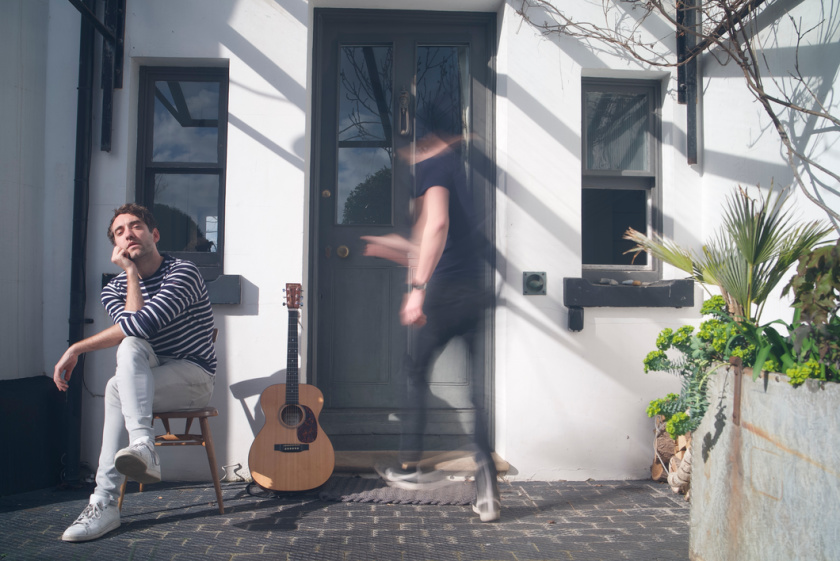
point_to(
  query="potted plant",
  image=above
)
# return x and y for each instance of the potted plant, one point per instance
(764, 464)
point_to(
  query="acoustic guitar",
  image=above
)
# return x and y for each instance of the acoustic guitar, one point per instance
(291, 452)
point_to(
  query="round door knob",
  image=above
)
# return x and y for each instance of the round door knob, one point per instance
(342, 251)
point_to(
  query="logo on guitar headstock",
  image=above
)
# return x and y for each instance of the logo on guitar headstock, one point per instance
(293, 295)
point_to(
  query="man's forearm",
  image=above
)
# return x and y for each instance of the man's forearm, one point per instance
(133, 294)
(110, 337)
(105, 339)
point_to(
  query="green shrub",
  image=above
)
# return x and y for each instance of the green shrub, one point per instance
(693, 356)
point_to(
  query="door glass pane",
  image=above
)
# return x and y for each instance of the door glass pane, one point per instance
(364, 179)
(186, 127)
(617, 131)
(187, 211)
(365, 146)
(442, 90)
(607, 213)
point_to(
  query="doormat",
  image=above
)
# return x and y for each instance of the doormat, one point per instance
(367, 490)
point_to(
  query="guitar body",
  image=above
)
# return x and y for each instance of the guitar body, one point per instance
(291, 452)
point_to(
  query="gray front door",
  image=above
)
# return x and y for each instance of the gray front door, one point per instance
(374, 72)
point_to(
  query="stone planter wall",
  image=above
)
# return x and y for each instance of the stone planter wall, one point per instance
(766, 486)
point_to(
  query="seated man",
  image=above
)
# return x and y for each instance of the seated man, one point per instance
(166, 360)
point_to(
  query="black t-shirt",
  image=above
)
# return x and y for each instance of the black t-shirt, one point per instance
(463, 252)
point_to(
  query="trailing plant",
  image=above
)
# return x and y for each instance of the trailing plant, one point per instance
(692, 357)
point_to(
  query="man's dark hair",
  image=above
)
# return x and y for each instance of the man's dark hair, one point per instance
(133, 209)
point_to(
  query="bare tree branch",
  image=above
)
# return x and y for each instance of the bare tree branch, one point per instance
(728, 31)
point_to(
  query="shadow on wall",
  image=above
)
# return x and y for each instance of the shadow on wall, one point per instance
(253, 387)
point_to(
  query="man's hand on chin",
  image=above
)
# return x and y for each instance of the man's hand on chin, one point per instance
(122, 258)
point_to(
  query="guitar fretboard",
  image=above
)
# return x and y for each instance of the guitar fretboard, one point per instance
(292, 360)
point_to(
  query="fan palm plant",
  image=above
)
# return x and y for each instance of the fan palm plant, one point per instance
(748, 256)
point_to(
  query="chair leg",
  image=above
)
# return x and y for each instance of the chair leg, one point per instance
(122, 493)
(211, 457)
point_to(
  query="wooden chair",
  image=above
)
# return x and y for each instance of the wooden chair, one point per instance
(188, 439)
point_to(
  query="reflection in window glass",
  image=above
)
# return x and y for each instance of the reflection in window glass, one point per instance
(211, 231)
(607, 214)
(442, 90)
(366, 93)
(186, 121)
(364, 186)
(616, 131)
(181, 160)
(186, 207)
(365, 144)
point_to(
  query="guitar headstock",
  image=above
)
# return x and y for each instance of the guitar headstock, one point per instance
(293, 295)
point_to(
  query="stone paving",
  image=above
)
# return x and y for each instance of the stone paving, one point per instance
(541, 521)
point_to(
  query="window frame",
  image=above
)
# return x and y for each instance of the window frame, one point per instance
(211, 264)
(649, 180)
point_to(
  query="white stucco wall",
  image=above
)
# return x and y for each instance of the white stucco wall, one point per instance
(23, 67)
(567, 405)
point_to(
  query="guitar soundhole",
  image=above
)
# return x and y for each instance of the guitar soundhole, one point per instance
(291, 415)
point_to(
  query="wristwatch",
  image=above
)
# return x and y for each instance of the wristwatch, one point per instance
(419, 286)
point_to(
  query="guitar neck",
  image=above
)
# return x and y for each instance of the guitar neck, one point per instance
(292, 393)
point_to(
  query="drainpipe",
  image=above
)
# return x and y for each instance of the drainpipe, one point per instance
(81, 195)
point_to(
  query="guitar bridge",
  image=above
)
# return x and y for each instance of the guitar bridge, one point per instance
(291, 447)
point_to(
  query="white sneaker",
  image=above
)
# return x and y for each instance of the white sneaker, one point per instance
(412, 479)
(488, 510)
(95, 521)
(487, 505)
(139, 462)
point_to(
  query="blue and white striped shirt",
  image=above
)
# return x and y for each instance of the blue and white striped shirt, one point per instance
(176, 318)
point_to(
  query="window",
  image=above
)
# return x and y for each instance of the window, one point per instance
(181, 160)
(620, 168)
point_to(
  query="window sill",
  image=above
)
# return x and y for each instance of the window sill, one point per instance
(581, 293)
(225, 289)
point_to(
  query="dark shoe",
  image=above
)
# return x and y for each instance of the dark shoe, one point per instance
(95, 521)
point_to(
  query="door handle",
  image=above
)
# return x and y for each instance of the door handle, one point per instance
(405, 119)
(342, 251)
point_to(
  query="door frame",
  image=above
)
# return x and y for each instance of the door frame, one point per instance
(484, 148)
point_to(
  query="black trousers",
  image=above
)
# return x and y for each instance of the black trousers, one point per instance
(453, 309)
